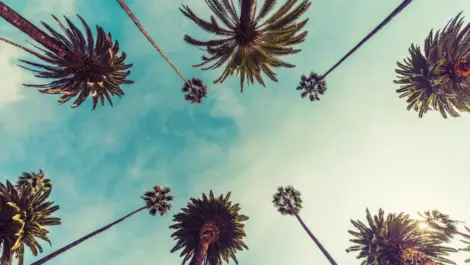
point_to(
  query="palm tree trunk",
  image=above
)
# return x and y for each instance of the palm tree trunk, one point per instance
(317, 242)
(395, 12)
(245, 13)
(154, 44)
(21, 23)
(411, 256)
(201, 253)
(78, 241)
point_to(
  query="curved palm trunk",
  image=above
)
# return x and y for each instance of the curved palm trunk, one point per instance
(78, 241)
(395, 12)
(411, 256)
(21, 23)
(154, 44)
(245, 13)
(201, 253)
(317, 242)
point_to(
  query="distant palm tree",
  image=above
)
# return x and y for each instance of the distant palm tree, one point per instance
(397, 240)
(439, 79)
(37, 181)
(156, 200)
(249, 43)
(443, 223)
(209, 230)
(288, 202)
(314, 85)
(194, 89)
(78, 66)
(25, 214)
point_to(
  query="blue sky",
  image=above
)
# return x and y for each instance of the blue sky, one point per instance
(356, 148)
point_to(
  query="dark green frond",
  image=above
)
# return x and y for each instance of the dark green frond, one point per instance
(287, 200)
(438, 78)
(32, 211)
(249, 51)
(158, 200)
(385, 240)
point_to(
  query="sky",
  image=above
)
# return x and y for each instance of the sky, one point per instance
(357, 148)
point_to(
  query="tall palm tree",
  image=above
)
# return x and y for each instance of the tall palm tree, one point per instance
(78, 66)
(209, 230)
(443, 223)
(156, 200)
(194, 89)
(397, 240)
(314, 85)
(439, 79)
(288, 202)
(249, 44)
(37, 181)
(27, 213)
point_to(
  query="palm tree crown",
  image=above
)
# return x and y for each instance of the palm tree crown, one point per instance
(11, 227)
(79, 66)
(33, 211)
(37, 181)
(249, 43)
(397, 240)
(158, 200)
(287, 200)
(443, 223)
(209, 230)
(439, 78)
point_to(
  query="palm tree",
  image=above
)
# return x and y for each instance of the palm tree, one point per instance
(314, 85)
(194, 89)
(397, 240)
(288, 202)
(443, 223)
(11, 228)
(156, 200)
(439, 79)
(27, 213)
(37, 181)
(78, 66)
(467, 244)
(249, 44)
(209, 230)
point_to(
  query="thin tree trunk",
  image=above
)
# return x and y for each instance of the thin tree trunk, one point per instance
(141, 28)
(78, 241)
(245, 13)
(21, 23)
(201, 253)
(317, 242)
(395, 12)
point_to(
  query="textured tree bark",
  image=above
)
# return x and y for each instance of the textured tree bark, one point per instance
(201, 253)
(411, 256)
(245, 13)
(78, 241)
(21, 23)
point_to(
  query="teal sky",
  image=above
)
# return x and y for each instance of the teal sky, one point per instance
(356, 148)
